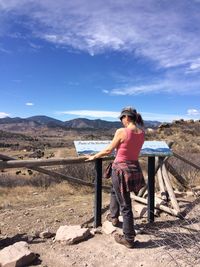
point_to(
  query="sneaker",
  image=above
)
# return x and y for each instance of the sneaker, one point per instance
(138, 230)
(121, 240)
(114, 221)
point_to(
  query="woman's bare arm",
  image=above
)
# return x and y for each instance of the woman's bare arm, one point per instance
(118, 137)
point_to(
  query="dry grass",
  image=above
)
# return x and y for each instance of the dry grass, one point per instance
(190, 174)
(29, 195)
(180, 237)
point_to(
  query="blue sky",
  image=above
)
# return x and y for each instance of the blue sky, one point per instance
(81, 58)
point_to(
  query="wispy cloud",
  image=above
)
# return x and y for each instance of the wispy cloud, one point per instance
(3, 50)
(17, 81)
(167, 85)
(35, 46)
(193, 112)
(90, 113)
(166, 117)
(113, 115)
(169, 37)
(29, 104)
(194, 66)
(164, 31)
(4, 114)
(136, 90)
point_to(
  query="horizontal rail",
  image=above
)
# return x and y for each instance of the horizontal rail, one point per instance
(4, 157)
(40, 162)
(186, 161)
(8, 163)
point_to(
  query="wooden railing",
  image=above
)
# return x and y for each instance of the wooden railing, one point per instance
(186, 161)
(37, 164)
(9, 162)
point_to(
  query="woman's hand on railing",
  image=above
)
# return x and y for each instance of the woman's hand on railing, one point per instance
(90, 157)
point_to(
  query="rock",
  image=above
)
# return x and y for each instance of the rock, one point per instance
(108, 228)
(164, 125)
(70, 234)
(141, 210)
(46, 234)
(150, 130)
(95, 231)
(16, 255)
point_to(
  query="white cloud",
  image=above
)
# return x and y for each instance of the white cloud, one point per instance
(113, 115)
(193, 112)
(170, 35)
(166, 32)
(4, 114)
(29, 104)
(35, 46)
(167, 85)
(194, 66)
(136, 90)
(91, 113)
(3, 50)
(165, 117)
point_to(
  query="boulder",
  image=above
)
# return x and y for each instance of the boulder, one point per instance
(70, 234)
(108, 228)
(16, 255)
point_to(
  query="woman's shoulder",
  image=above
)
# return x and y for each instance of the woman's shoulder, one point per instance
(120, 130)
(120, 133)
(136, 130)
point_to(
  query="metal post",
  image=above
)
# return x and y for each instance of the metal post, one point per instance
(98, 193)
(151, 189)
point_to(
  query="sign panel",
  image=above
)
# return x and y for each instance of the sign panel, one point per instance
(149, 148)
(157, 148)
(90, 147)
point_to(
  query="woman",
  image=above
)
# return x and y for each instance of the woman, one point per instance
(126, 172)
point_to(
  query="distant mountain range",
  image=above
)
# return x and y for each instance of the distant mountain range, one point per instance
(80, 123)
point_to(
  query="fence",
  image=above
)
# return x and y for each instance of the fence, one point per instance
(9, 162)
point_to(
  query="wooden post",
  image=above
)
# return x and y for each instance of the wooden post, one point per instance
(151, 189)
(161, 182)
(98, 193)
(170, 189)
(160, 207)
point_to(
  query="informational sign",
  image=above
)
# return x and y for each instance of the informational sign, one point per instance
(157, 148)
(90, 147)
(149, 148)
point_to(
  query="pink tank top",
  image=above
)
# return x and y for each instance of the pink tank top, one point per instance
(130, 148)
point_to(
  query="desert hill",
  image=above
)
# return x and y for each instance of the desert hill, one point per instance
(79, 123)
(25, 136)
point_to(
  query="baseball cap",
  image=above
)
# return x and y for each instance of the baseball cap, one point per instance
(129, 111)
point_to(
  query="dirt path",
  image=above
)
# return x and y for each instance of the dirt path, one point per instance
(25, 211)
(101, 250)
